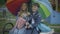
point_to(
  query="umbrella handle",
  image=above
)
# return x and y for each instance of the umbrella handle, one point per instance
(33, 30)
(36, 30)
(30, 6)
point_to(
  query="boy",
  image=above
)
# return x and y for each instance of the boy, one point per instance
(35, 18)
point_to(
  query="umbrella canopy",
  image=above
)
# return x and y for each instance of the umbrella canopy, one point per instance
(45, 7)
(14, 5)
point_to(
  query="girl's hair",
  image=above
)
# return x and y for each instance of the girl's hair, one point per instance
(22, 11)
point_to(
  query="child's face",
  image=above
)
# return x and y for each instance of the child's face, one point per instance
(24, 6)
(34, 8)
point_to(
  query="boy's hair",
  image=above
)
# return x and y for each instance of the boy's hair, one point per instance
(35, 4)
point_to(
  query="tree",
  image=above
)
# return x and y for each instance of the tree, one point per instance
(2, 2)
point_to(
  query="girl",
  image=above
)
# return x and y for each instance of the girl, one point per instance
(19, 28)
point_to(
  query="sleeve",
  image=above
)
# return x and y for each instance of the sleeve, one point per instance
(37, 20)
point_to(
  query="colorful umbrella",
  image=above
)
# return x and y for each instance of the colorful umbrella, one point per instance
(14, 5)
(45, 7)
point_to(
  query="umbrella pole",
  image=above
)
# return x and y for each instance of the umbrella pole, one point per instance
(30, 6)
(30, 9)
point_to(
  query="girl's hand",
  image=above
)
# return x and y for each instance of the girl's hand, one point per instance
(27, 25)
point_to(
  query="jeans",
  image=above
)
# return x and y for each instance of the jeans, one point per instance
(17, 31)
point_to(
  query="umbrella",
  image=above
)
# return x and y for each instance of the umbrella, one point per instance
(14, 5)
(45, 7)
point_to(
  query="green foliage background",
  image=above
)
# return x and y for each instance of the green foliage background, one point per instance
(2, 2)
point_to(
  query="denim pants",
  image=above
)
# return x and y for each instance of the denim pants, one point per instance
(17, 31)
(31, 31)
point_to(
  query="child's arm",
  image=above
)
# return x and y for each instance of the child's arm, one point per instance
(37, 21)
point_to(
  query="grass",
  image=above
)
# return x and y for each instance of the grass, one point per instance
(59, 8)
(48, 24)
(55, 29)
(2, 23)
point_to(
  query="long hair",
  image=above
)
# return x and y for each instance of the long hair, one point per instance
(22, 11)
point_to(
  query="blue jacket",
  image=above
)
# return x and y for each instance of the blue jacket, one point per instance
(37, 19)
